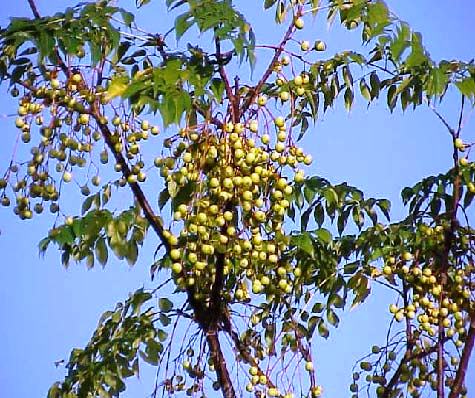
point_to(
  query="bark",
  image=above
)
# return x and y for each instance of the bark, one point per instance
(462, 370)
(219, 361)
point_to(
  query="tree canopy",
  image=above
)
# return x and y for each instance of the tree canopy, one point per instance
(256, 259)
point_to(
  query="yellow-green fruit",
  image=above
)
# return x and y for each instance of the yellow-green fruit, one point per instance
(304, 45)
(309, 366)
(299, 23)
(299, 177)
(298, 80)
(459, 144)
(83, 118)
(285, 60)
(407, 256)
(175, 254)
(387, 270)
(67, 176)
(177, 268)
(300, 91)
(320, 45)
(19, 122)
(145, 125)
(76, 78)
(279, 121)
(284, 95)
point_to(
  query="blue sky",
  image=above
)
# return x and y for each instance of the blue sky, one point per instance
(47, 310)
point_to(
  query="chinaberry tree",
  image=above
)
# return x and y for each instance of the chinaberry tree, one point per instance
(255, 259)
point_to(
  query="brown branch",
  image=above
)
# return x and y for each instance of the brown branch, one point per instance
(278, 52)
(462, 369)
(448, 242)
(139, 195)
(459, 124)
(34, 9)
(203, 316)
(60, 61)
(219, 362)
(407, 358)
(244, 352)
(227, 84)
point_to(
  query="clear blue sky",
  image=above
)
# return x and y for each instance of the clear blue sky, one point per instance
(46, 310)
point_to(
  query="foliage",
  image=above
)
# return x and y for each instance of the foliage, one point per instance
(253, 249)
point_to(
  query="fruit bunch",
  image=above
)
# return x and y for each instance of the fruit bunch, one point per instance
(62, 113)
(232, 213)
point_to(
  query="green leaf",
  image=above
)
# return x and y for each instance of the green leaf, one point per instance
(375, 85)
(319, 214)
(280, 12)
(364, 89)
(437, 82)
(127, 17)
(182, 23)
(163, 198)
(392, 97)
(132, 252)
(304, 242)
(333, 318)
(324, 235)
(217, 88)
(43, 245)
(165, 304)
(348, 96)
(269, 3)
(141, 3)
(101, 251)
(117, 87)
(417, 56)
(323, 330)
(467, 86)
(184, 195)
(385, 206)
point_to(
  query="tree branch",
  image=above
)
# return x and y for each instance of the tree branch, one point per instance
(255, 90)
(60, 61)
(219, 362)
(34, 9)
(466, 354)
